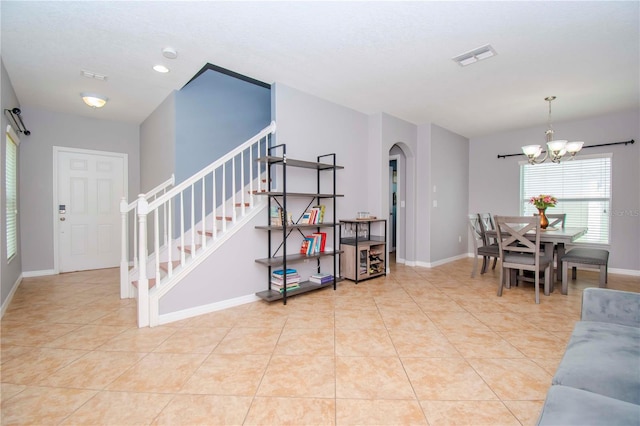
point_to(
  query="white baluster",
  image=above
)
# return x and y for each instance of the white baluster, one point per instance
(168, 208)
(223, 202)
(202, 216)
(156, 247)
(182, 253)
(124, 249)
(143, 281)
(215, 205)
(233, 189)
(193, 221)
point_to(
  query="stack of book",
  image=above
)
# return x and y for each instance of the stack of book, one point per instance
(314, 243)
(313, 216)
(278, 279)
(321, 278)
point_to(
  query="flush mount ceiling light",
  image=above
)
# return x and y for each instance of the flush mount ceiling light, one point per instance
(94, 100)
(475, 55)
(161, 69)
(556, 148)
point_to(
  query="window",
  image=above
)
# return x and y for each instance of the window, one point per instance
(11, 192)
(582, 187)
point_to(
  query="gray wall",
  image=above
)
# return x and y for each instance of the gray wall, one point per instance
(49, 129)
(450, 177)
(485, 170)
(157, 145)
(214, 114)
(403, 135)
(9, 271)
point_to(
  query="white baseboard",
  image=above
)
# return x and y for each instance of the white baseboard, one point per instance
(631, 272)
(206, 309)
(43, 273)
(442, 262)
(7, 301)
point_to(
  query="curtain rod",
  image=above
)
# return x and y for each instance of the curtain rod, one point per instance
(588, 146)
(15, 116)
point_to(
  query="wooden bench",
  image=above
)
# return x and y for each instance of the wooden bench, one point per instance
(596, 258)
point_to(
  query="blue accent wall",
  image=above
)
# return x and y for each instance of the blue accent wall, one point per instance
(214, 114)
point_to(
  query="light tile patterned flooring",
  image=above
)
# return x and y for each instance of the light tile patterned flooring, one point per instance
(420, 346)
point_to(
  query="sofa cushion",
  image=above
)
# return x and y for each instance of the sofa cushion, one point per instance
(614, 306)
(568, 406)
(603, 358)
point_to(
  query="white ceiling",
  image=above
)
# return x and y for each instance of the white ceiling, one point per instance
(393, 57)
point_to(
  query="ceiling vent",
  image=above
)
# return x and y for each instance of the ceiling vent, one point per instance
(475, 55)
(93, 75)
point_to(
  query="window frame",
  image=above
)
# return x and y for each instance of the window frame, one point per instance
(11, 193)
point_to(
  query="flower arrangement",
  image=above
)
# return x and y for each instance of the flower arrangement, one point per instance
(543, 201)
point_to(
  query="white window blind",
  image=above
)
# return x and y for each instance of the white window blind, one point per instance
(582, 187)
(11, 193)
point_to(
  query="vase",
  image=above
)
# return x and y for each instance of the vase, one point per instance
(544, 222)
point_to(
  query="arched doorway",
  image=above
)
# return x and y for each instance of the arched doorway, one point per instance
(398, 201)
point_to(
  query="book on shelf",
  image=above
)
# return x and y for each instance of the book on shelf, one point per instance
(305, 219)
(320, 209)
(280, 279)
(281, 272)
(322, 240)
(304, 246)
(289, 288)
(321, 278)
(280, 285)
(311, 245)
(277, 217)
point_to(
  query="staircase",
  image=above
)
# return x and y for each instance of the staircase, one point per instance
(173, 228)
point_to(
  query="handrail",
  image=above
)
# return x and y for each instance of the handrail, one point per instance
(271, 128)
(174, 225)
(152, 193)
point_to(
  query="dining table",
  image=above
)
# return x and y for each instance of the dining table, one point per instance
(554, 236)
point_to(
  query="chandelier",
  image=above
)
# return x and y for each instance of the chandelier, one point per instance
(556, 149)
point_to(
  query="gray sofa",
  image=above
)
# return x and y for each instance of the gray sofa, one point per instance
(598, 379)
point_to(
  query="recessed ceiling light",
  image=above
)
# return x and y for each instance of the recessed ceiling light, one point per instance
(475, 55)
(161, 68)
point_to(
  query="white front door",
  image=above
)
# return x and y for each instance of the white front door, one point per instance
(90, 185)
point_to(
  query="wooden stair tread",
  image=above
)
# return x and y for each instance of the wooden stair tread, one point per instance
(165, 265)
(187, 249)
(227, 218)
(152, 283)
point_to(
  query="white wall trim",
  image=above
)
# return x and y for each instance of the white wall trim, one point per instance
(206, 309)
(42, 273)
(631, 272)
(442, 262)
(7, 301)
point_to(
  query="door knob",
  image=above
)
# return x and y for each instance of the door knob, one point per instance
(62, 219)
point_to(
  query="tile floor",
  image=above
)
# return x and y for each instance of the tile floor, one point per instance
(420, 346)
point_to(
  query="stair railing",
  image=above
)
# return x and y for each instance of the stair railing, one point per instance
(186, 211)
(129, 211)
